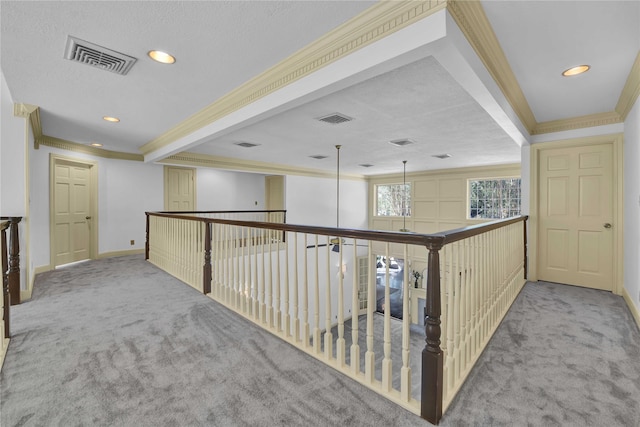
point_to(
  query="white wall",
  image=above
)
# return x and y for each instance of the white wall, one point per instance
(632, 204)
(13, 137)
(312, 201)
(12, 160)
(126, 190)
(225, 191)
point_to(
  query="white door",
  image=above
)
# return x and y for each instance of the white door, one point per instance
(72, 212)
(576, 216)
(274, 189)
(179, 189)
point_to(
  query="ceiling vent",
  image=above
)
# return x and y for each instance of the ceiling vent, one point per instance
(442, 156)
(97, 56)
(318, 157)
(402, 142)
(246, 144)
(335, 118)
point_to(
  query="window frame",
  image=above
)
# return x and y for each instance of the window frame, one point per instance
(407, 207)
(490, 178)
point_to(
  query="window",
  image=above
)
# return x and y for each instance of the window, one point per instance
(494, 198)
(393, 200)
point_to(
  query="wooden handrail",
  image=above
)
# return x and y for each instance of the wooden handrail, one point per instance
(435, 240)
(14, 258)
(219, 212)
(6, 298)
(432, 355)
(379, 235)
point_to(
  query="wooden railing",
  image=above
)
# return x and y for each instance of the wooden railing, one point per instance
(14, 258)
(316, 288)
(475, 274)
(6, 299)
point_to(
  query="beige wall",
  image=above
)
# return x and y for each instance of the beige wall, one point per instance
(438, 198)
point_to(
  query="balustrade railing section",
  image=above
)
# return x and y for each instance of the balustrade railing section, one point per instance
(4, 273)
(335, 294)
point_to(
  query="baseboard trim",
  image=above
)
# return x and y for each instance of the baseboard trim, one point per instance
(25, 295)
(3, 349)
(120, 253)
(632, 306)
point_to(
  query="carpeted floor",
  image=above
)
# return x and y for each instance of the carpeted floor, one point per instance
(117, 342)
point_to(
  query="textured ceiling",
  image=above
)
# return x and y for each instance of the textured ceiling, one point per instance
(419, 101)
(541, 39)
(442, 101)
(218, 44)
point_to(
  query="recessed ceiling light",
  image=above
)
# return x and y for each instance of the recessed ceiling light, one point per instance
(111, 119)
(95, 144)
(162, 57)
(574, 71)
(366, 165)
(318, 157)
(442, 156)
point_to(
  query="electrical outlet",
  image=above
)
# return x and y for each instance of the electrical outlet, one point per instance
(133, 242)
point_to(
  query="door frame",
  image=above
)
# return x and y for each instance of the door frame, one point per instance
(166, 185)
(268, 194)
(616, 141)
(93, 203)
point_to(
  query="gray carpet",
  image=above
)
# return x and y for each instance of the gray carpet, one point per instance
(563, 356)
(117, 342)
(416, 345)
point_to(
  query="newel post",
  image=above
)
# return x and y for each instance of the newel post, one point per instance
(14, 261)
(432, 357)
(5, 284)
(146, 243)
(526, 259)
(206, 285)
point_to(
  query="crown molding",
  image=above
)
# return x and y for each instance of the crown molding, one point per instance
(580, 122)
(498, 170)
(23, 110)
(31, 112)
(631, 90)
(474, 24)
(228, 163)
(375, 23)
(63, 144)
(36, 127)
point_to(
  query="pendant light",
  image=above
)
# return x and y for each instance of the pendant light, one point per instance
(404, 228)
(336, 241)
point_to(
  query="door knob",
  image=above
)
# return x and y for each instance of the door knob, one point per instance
(88, 217)
(607, 225)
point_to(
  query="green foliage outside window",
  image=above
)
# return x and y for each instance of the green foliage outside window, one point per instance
(393, 200)
(494, 198)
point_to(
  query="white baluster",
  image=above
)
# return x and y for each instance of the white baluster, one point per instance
(370, 356)
(340, 343)
(328, 336)
(405, 371)
(316, 311)
(386, 361)
(355, 311)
